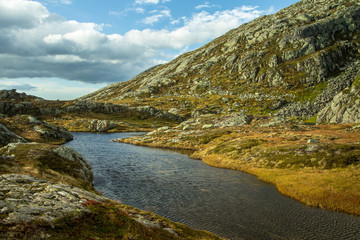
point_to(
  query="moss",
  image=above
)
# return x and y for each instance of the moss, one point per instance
(236, 147)
(206, 137)
(320, 156)
(311, 120)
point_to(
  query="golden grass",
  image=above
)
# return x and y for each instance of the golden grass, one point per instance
(328, 177)
(334, 189)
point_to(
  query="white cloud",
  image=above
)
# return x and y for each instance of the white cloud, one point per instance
(58, 2)
(21, 14)
(156, 18)
(199, 28)
(16, 85)
(147, 1)
(36, 43)
(51, 89)
(205, 5)
(124, 13)
(150, 1)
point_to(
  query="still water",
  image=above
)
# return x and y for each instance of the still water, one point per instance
(228, 203)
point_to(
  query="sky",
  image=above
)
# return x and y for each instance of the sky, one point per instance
(64, 49)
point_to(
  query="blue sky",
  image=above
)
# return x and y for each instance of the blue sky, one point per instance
(63, 49)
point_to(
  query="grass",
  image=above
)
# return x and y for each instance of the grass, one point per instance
(40, 161)
(79, 122)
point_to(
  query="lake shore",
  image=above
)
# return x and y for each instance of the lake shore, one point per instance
(317, 165)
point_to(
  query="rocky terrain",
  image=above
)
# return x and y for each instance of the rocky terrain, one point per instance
(46, 189)
(277, 97)
(86, 115)
(301, 62)
(259, 99)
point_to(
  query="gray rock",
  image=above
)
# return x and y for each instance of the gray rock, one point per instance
(186, 128)
(313, 141)
(49, 131)
(208, 126)
(70, 154)
(344, 108)
(102, 125)
(234, 119)
(7, 136)
(29, 199)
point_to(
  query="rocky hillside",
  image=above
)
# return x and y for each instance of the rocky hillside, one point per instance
(301, 62)
(80, 115)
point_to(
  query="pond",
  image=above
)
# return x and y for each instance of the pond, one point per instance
(229, 203)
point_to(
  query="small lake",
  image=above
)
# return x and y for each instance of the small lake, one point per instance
(228, 203)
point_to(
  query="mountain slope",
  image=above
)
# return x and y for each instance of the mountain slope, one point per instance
(291, 64)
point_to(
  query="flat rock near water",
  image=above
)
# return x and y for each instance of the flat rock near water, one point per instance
(25, 199)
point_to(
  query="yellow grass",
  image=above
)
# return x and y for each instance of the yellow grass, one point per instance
(335, 189)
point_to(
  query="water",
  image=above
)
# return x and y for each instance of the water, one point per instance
(228, 203)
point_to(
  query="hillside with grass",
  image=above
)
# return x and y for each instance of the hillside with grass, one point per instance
(299, 62)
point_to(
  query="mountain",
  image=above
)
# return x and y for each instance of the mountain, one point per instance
(303, 61)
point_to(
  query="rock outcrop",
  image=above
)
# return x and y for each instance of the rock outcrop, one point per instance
(101, 125)
(34, 130)
(344, 108)
(84, 169)
(51, 162)
(7, 136)
(25, 199)
(49, 131)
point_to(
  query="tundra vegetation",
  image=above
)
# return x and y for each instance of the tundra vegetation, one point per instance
(277, 97)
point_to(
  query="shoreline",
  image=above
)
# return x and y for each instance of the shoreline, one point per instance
(329, 189)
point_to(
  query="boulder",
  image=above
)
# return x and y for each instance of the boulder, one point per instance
(49, 131)
(101, 125)
(234, 119)
(70, 154)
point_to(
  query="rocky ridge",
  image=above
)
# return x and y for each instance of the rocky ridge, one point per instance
(301, 57)
(13, 103)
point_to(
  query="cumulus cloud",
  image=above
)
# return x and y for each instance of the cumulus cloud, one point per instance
(37, 44)
(21, 14)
